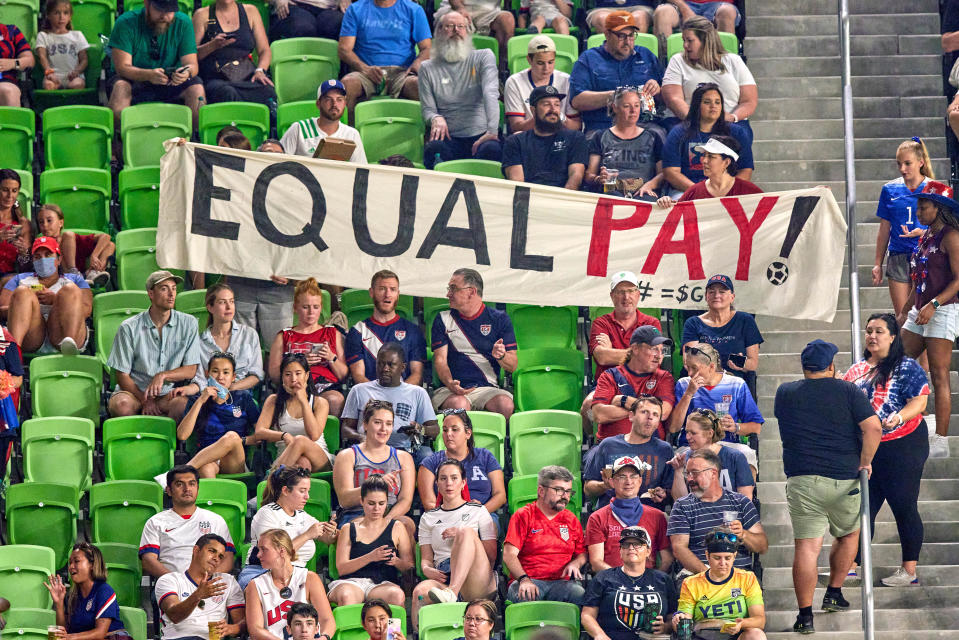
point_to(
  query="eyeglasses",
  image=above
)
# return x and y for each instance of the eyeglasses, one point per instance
(456, 27)
(475, 620)
(694, 473)
(453, 288)
(625, 292)
(631, 35)
(562, 491)
(633, 544)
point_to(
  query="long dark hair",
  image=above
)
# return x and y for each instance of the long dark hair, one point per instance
(98, 572)
(692, 123)
(467, 426)
(891, 362)
(10, 174)
(281, 477)
(282, 396)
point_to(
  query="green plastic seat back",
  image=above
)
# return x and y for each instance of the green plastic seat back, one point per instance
(292, 112)
(487, 42)
(77, 136)
(17, 129)
(136, 258)
(331, 434)
(674, 43)
(521, 490)
(58, 450)
(489, 432)
(120, 508)
(138, 447)
(442, 621)
(529, 617)
(537, 327)
(83, 194)
(349, 625)
(252, 118)
(549, 379)
(25, 197)
(30, 618)
(194, 303)
(23, 14)
(66, 386)
(18, 633)
(389, 127)
(23, 570)
(139, 190)
(358, 306)
(300, 65)
(46, 99)
(481, 168)
(110, 309)
(43, 514)
(94, 18)
(134, 621)
(227, 498)
(145, 127)
(123, 567)
(546, 437)
(567, 51)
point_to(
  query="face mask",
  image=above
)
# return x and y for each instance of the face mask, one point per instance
(44, 267)
(221, 391)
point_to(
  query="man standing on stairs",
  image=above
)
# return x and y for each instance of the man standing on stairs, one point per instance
(829, 435)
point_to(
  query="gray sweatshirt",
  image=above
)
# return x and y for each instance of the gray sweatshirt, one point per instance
(465, 93)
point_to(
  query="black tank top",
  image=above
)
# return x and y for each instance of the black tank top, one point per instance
(244, 45)
(375, 571)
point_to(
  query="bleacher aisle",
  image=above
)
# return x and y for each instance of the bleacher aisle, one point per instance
(897, 94)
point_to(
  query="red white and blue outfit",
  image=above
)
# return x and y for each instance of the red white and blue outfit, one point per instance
(470, 344)
(366, 337)
(100, 603)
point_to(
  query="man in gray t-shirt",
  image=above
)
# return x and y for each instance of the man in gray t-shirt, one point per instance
(412, 409)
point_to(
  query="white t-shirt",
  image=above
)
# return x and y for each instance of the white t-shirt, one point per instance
(303, 136)
(272, 516)
(433, 523)
(216, 608)
(63, 49)
(172, 537)
(520, 85)
(274, 606)
(735, 76)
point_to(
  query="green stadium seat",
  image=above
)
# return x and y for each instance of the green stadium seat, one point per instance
(66, 386)
(186, 6)
(523, 619)
(349, 626)
(252, 118)
(83, 194)
(567, 52)
(228, 499)
(123, 567)
(389, 127)
(487, 42)
(145, 127)
(522, 490)
(443, 621)
(674, 43)
(647, 40)
(23, 570)
(94, 18)
(544, 437)
(537, 327)
(58, 450)
(120, 508)
(23, 14)
(135, 622)
(30, 618)
(44, 99)
(25, 197)
(331, 433)
(292, 112)
(489, 432)
(44, 514)
(138, 447)
(17, 130)
(470, 167)
(77, 136)
(136, 258)
(300, 65)
(194, 303)
(549, 379)
(139, 191)
(110, 309)
(357, 305)
(18, 633)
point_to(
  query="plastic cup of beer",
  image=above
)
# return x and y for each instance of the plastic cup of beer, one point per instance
(729, 517)
(53, 632)
(214, 627)
(612, 177)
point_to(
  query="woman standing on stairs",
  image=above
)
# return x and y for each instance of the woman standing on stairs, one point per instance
(898, 389)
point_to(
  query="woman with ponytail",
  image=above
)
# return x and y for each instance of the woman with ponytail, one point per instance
(899, 226)
(15, 234)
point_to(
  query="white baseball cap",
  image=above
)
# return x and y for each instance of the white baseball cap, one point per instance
(540, 44)
(623, 276)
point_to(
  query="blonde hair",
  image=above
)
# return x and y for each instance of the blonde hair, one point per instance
(57, 210)
(711, 56)
(308, 287)
(281, 540)
(709, 422)
(918, 148)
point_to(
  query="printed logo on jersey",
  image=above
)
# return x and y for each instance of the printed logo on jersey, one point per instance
(650, 384)
(735, 593)
(630, 604)
(278, 612)
(89, 605)
(727, 398)
(564, 533)
(237, 412)
(205, 528)
(399, 335)
(485, 329)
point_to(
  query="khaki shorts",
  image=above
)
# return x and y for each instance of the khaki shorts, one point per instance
(395, 79)
(815, 501)
(477, 396)
(647, 10)
(482, 20)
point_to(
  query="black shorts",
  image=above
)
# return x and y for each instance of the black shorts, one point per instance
(147, 92)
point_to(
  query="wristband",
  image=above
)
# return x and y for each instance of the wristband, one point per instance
(622, 401)
(263, 71)
(325, 635)
(902, 420)
(49, 72)
(520, 579)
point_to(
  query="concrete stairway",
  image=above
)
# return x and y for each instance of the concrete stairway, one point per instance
(793, 50)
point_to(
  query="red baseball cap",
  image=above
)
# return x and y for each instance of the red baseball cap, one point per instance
(47, 242)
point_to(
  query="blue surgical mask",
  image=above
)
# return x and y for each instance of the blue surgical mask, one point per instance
(221, 391)
(45, 267)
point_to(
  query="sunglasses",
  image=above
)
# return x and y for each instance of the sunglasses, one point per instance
(722, 536)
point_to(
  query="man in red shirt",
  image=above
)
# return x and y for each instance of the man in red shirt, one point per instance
(605, 525)
(544, 550)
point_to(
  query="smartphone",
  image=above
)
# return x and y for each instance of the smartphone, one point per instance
(392, 626)
(316, 348)
(737, 359)
(727, 628)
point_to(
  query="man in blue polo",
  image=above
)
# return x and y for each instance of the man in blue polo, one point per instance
(470, 343)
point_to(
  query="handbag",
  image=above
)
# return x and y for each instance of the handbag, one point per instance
(236, 70)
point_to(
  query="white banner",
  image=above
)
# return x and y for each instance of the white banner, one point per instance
(256, 214)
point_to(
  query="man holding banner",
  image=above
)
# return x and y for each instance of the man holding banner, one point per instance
(470, 344)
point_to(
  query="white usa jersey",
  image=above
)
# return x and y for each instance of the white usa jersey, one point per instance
(470, 515)
(273, 605)
(214, 609)
(172, 537)
(272, 516)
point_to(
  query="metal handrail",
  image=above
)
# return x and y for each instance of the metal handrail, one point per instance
(865, 566)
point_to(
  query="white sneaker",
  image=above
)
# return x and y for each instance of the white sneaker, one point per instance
(97, 279)
(938, 446)
(931, 424)
(853, 574)
(438, 595)
(68, 347)
(901, 578)
(161, 480)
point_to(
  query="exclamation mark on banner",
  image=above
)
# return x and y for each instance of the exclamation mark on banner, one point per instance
(803, 206)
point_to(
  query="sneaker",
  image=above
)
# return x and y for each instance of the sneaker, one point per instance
(97, 279)
(853, 574)
(161, 480)
(831, 604)
(438, 595)
(803, 625)
(938, 446)
(68, 347)
(901, 578)
(338, 320)
(931, 424)
(531, 30)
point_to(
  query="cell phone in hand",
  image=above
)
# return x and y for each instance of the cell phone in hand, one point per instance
(738, 359)
(392, 627)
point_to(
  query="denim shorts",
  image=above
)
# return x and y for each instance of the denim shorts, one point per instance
(943, 324)
(708, 10)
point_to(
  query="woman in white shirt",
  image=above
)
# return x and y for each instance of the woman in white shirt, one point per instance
(457, 544)
(704, 60)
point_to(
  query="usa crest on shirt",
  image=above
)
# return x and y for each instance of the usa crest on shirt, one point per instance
(564, 533)
(485, 329)
(400, 335)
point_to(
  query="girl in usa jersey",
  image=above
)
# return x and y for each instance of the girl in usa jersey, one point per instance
(90, 606)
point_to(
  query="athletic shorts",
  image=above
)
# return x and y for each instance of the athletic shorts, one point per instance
(943, 324)
(816, 501)
(482, 20)
(708, 10)
(363, 584)
(897, 267)
(395, 79)
(477, 396)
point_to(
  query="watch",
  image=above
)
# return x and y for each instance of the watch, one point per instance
(935, 303)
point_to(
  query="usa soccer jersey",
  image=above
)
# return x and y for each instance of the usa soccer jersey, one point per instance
(730, 395)
(898, 204)
(366, 337)
(172, 536)
(470, 342)
(545, 545)
(620, 600)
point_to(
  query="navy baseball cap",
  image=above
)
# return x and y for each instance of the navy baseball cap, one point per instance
(719, 278)
(547, 91)
(330, 85)
(648, 335)
(818, 355)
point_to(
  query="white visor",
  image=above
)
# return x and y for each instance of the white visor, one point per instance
(717, 147)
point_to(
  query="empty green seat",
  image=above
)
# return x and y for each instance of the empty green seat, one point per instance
(83, 194)
(523, 619)
(120, 508)
(123, 567)
(138, 447)
(145, 127)
(549, 379)
(567, 51)
(357, 305)
(30, 618)
(252, 118)
(522, 490)
(136, 258)
(139, 190)
(647, 40)
(43, 514)
(23, 14)
(292, 112)
(17, 129)
(544, 437)
(537, 326)
(58, 450)
(135, 622)
(300, 65)
(94, 18)
(443, 621)
(228, 499)
(350, 627)
(674, 43)
(390, 127)
(194, 303)
(110, 309)
(66, 386)
(77, 136)
(470, 167)
(23, 570)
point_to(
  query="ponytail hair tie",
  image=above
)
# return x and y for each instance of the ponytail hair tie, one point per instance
(916, 139)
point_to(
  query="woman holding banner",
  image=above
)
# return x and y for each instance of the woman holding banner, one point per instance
(719, 156)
